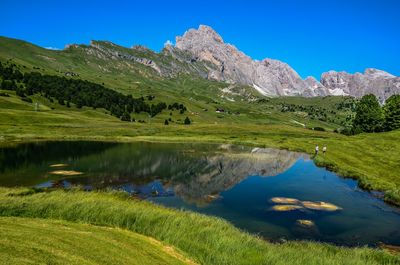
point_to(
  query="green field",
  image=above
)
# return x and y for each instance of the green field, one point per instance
(38, 241)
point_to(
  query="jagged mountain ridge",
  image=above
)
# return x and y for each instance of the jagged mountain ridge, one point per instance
(275, 78)
(269, 77)
(372, 81)
(202, 53)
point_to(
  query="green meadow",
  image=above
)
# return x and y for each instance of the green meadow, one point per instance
(38, 241)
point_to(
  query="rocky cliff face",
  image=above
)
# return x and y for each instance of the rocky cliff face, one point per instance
(372, 81)
(275, 78)
(269, 77)
(315, 88)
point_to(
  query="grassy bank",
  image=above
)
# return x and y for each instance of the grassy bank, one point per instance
(207, 240)
(38, 241)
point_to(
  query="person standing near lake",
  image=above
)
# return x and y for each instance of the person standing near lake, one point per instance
(324, 149)
(316, 149)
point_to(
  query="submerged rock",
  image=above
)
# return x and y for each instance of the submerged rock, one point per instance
(286, 208)
(292, 204)
(212, 197)
(320, 206)
(66, 172)
(285, 200)
(59, 165)
(305, 223)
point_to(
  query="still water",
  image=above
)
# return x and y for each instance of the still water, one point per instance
(273, 193)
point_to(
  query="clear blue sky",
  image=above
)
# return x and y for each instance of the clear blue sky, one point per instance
(312, 36)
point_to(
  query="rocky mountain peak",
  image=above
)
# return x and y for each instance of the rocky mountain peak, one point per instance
(376, 73)
(204, 34)
(227, 63)
(372, 81)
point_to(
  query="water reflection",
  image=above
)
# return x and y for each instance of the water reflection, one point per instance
(196, 173)
(273, 193)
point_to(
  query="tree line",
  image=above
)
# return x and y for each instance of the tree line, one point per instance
(372, 117)
(76, 91)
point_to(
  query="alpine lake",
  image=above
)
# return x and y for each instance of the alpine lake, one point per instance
(276, 194)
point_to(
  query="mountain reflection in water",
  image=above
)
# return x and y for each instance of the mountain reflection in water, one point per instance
(273, 193)
(196, 173)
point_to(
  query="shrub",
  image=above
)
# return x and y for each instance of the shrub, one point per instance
(126, 116)
(187, 121)
(321, 129)
(27, 100)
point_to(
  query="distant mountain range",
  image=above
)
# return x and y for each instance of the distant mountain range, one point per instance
(275, 78)
(200, 53)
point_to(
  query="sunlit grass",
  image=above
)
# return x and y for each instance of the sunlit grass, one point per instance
(39, 241)
(207, 240)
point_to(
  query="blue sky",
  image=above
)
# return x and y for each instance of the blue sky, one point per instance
(311, 36)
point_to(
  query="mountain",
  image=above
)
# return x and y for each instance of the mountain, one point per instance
(269, 77)
(200, 55)
(275, 78)
(373, 81)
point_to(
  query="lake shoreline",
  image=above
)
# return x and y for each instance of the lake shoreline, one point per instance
(320, 160)
(195, 234)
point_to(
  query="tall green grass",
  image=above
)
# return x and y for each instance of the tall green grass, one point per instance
(38, 241)
(207, 240)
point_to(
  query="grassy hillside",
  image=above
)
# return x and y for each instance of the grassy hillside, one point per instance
(38, 241)
(207, 240)
(201, 96)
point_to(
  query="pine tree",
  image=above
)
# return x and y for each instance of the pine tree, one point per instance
(369, 115)
(187, 121)
(126, 116)
(391, 111)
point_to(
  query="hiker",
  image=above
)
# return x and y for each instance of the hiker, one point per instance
(316, 150)
(324, 150)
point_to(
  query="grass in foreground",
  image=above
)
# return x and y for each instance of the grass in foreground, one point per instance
(38, 241)
(207, 240)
